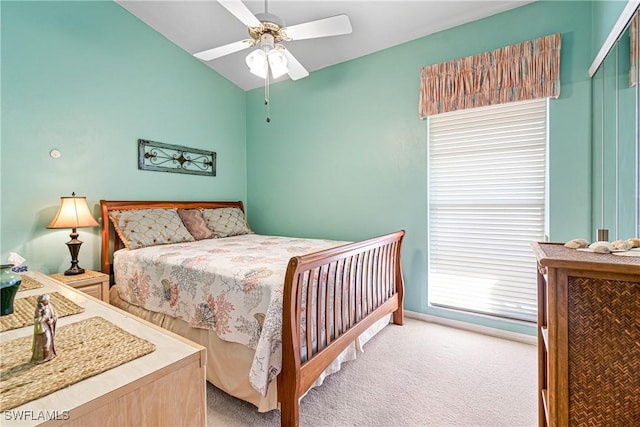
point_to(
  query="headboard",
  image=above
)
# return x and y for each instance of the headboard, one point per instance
(110, 205)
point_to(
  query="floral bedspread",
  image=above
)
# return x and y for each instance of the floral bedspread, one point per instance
(232, 285)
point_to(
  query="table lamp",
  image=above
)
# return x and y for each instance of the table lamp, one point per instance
(73, 213)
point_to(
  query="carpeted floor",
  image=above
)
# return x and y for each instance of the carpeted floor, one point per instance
(419, 374)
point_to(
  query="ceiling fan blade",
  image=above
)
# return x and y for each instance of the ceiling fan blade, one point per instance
(334, 26)
(296, 70)
(217, 52)
(240, 11)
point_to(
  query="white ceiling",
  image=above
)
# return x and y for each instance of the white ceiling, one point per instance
(377, 24)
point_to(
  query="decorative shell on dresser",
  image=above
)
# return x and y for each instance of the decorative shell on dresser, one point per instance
(623, 245)
(576, 243)
(601, 247)
(635, 242)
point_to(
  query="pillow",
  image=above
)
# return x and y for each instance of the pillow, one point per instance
(149, 227)
(195, 223)
(225, 222)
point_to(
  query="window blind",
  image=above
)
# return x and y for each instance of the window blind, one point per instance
(487, 191)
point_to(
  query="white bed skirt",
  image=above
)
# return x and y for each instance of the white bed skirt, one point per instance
(228, 363)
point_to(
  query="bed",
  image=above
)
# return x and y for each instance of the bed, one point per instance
(308, 303)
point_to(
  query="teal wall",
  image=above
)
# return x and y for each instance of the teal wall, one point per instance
(345, 153)
(89, 79)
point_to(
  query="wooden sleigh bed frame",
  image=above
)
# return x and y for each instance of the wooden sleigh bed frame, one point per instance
(374, 276)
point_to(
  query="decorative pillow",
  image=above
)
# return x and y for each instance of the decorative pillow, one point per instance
(225, 222)
(195, 223)
(149, 227)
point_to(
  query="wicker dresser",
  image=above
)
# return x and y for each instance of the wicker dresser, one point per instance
(588, 338)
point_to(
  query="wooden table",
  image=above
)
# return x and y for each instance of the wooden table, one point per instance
(164, 388)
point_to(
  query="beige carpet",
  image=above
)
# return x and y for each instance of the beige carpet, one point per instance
(420, 374)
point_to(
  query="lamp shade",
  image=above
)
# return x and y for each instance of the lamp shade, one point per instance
(73, 213)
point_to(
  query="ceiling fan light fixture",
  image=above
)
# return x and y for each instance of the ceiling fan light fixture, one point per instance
(257, 63)
(260, 61)
(259, 71)
(277, 63)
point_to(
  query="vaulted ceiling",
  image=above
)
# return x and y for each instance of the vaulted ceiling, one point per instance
(200, 25)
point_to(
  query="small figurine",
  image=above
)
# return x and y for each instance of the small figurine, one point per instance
(44, 331)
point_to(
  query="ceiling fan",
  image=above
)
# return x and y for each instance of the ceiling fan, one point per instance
(268, 31)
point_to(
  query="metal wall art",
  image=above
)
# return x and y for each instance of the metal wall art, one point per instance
(157, 156)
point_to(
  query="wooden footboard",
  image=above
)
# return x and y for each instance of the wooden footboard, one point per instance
(350, 288)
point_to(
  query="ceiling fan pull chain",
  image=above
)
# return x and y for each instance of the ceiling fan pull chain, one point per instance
(266, 91)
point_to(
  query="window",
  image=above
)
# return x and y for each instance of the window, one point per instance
(487, 174)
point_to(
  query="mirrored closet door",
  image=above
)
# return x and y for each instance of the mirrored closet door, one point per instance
(616, 135)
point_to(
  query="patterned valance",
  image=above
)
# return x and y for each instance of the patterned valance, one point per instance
(524, 71)
(634, 72)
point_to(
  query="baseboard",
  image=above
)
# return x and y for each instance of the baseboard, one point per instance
(499, 333)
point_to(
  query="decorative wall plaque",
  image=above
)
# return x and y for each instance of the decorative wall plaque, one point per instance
(157, 156)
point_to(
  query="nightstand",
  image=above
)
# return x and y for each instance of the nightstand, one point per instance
(90, 282)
